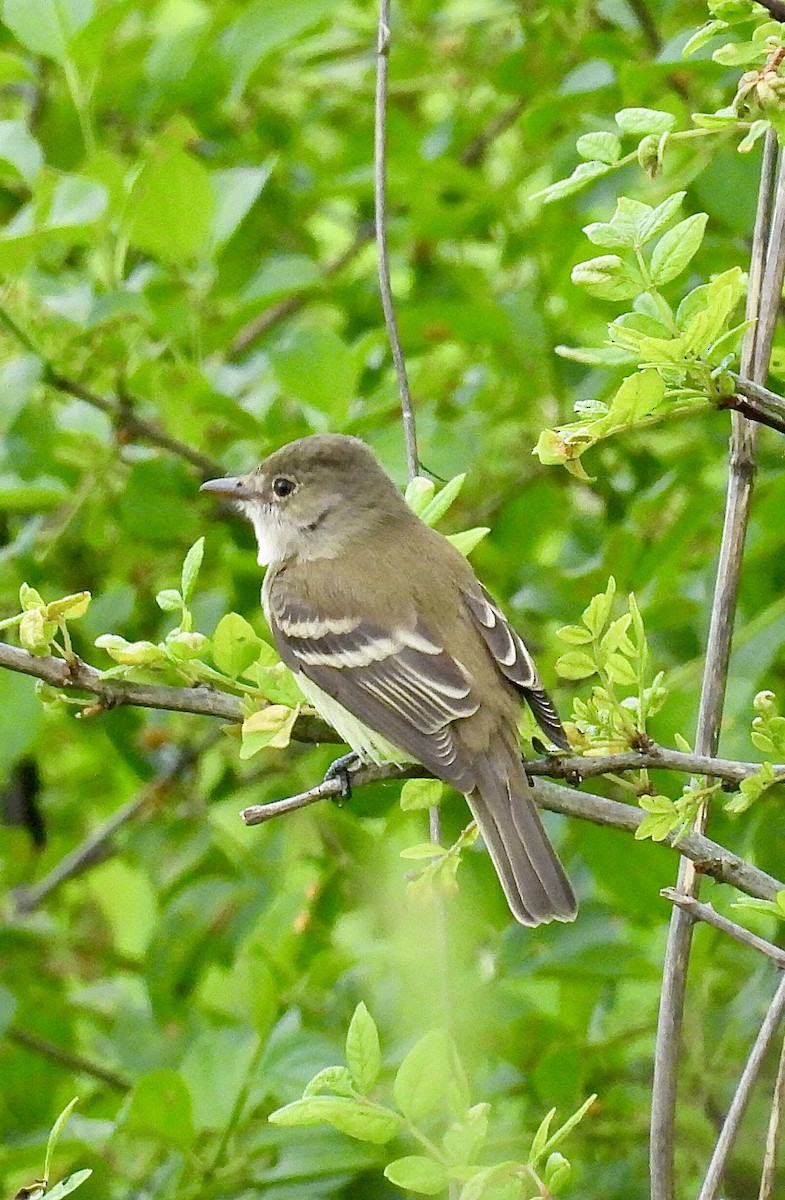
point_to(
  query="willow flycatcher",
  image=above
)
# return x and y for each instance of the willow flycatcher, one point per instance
(399, 647)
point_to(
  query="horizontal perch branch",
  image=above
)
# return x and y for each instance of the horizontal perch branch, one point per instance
(207, 702)
(710, 858)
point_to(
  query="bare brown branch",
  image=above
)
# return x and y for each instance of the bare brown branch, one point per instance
(775, 7)
(263, 322)
(130, 425)
(67, 1058)
(77, 676)
(208, 702)
(120, 410)
(97, 847)
(705, 913)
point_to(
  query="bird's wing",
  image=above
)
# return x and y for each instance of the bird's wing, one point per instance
(515, 662)
(400, 682)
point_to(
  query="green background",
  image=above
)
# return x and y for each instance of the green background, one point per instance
(168, 172)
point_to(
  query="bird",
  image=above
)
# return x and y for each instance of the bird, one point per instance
(398, 646)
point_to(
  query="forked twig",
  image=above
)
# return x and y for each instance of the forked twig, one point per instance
(705, 913)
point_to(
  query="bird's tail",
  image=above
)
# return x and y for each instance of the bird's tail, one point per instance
(534, 881)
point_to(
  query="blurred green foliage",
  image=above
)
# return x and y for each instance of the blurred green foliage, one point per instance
(171, 171)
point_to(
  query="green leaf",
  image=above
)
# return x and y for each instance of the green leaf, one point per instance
(557, 1172)
(621, 670)
(41, 494)
(276, 683)
(422, 1083)
(47, 27)
(130, 654)
(421, 793)
(235, 191)
(70, 607)
(500, 1182)
(269, 727)
(540, 1139)
(234, 645)
(717, 121)
(604, 147)
(170, 209)
(584, 174)
(574, 635)
(657, 826)
(598, 610)
(659, 218)
(191, 566)
(753, 136)
(597, 356)
(76, 201)
(183, 645)
(353, 1117)
(464, 1139)
(317, 367)
(262, 27)
(160, 1109)
(615, 637)
(576, 665)
(608, 277)
(29, 598)
(36, 633)
(468, 538)
(331, 1079)
(363, 1055)
(423, 850)
(54, 1135)
(442, 501)
(630, 329)
(650, 153)
(641, 121)
(20, 150)
(169, 600)
(676, 248)
(558, 1136)
(703, 36)
(419, 494)
(610, 235)
(66, 1186)
(752, 788)
(638, 396)
(419, 1174)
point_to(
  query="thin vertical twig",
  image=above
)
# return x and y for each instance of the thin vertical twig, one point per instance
(407, 408)
(380, 214)
(764, 291)
(769, 1172)
(752, 1069)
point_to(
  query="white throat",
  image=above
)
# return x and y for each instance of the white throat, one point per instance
(270, 538)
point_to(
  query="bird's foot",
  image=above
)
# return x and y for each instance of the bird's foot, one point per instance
(340, 770)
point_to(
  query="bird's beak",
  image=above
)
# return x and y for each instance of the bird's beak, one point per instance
(233, 488)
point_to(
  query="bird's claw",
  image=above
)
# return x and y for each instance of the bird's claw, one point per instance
(340, 770)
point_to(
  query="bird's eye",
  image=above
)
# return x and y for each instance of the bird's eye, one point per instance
(283, 487)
